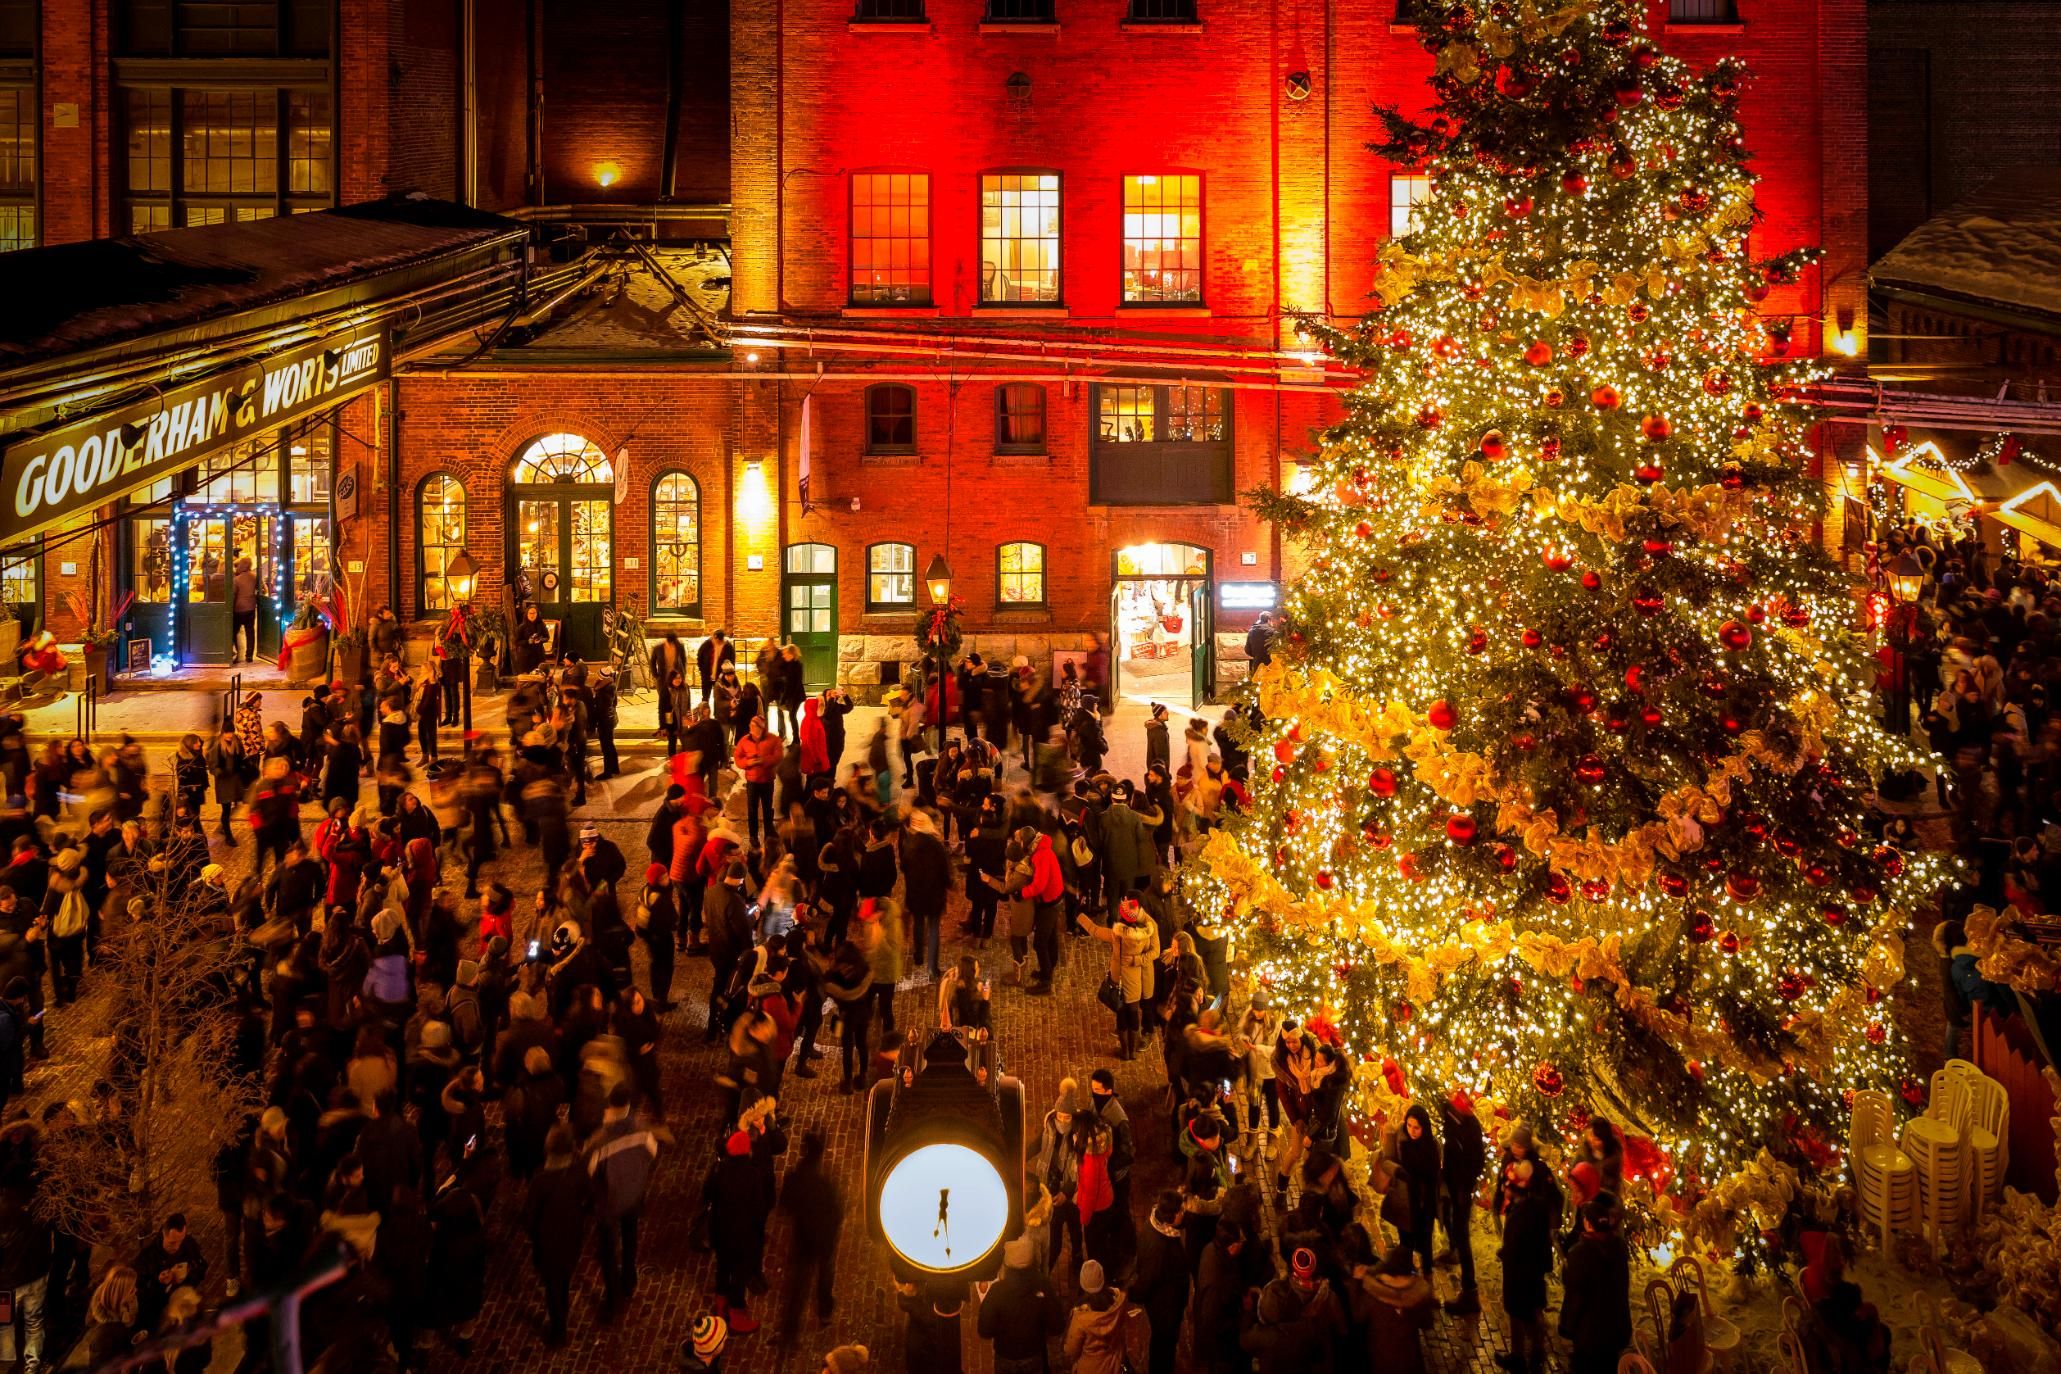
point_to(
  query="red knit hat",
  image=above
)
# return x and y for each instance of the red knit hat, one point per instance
(654, 875)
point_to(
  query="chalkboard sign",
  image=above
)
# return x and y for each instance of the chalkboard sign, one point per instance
(139, 655)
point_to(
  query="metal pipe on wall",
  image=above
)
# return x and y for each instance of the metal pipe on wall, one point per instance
(468, 103)
(676, 38)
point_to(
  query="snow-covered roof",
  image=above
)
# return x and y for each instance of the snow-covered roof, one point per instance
(2000, 246)
(71, 297)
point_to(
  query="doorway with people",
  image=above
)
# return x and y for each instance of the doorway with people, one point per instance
(1160, 624)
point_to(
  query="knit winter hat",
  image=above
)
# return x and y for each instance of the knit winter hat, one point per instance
(1091, 1277)
(848, 1359)
(1069, 1100)
(711, 1333)
(385, 922)
(1019, 1253)
(654, 875)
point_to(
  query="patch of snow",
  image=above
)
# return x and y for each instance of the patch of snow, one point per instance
(2002, 245)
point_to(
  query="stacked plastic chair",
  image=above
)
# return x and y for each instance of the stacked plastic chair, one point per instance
(1936, 1150)
(1719, 1334)
(1884, 1177)
(1975, 1105)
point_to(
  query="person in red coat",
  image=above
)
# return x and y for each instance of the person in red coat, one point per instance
(814, 741)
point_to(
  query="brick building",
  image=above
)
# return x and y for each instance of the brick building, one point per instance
(827, 288)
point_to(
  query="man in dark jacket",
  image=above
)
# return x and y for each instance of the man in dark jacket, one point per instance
(554, 1215)
(1530, 1220)
(815, 1209)
(1021, 1314)
(709, 658)
(1461, 1163)
(1596, 1313)
(619, 1167)
(1259, 642)
(1220, 1289)
(927, 878)
(726, 925)
(171, 1260)
(1161, 1284)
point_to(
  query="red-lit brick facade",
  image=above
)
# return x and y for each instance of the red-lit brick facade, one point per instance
(775, 108)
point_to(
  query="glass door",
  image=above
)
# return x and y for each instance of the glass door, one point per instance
(204, 614)
(1202, 659)
(567, 545)
(808, 599)
(147, 559)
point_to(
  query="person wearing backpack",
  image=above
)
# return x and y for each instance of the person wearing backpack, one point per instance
(1107, 1332)
(65, 900)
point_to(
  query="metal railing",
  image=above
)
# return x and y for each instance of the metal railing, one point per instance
(88, 708)
(231, 700)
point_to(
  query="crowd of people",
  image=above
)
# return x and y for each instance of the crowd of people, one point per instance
(433, 1047)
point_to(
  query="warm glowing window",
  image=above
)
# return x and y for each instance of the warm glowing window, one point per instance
(21, 581)
(221, 155)
(564, 458)
(1126, 414)
(1162, 239)
(312, 573)
(1020, 418)
(890, 576)
(308, 465)
(890, 419)
(440, 535)
(1194, 415)
(150, 560)
(1405, 194)
(890, 238)
(1019, 238)
(676, 545)
(1020, 575)
(245, 474)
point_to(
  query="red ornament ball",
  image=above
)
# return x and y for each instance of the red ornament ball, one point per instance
(1833, 914)
(1701, 928)
(1506, 857)
(1591, 580)
(1442, 715)
(1648, 472)
(1531, 639)
(1381, 782)
(1364, 530)
(1604, 397)
(1656, 428)
(1548, 1080)
(1734, 636)
(1324, 879)
(1461, 828)
(1284, 750)
(1558, 890)
(1589, 770)
(1559, 560)
(1877, 1033)
(1575, 184)
(1674, 884)
(1729, 942)
(1741, 885)
(1538, 353)
(1791, 985)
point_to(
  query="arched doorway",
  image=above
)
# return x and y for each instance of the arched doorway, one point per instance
(1161, 629)
(561, 532)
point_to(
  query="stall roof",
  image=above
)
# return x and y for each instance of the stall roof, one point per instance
(76, 297)
(2000, 247)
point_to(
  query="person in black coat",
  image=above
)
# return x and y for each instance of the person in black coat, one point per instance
(1021, 1314)
(1417, 1151)
(661, 931)
(1161, 1282)
(926, 877)
(740, 1202)
(1596, 1312)
(1461, 1161)
(1531, 1216)
(554, 1216)
(815, 1208)
(709, 658)
(458, 1258)
(531, 635)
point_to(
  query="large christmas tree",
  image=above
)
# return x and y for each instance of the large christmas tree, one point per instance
(1561, 794)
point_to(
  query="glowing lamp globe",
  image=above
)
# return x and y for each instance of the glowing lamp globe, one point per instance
(943, 1206)
(461, 574)
(937, 580)
(1907, 578)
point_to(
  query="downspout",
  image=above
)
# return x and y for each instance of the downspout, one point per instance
(1330, 60)
(393, 494)
(676, 33)
(468, 106)
(533, 28)
(780, 155)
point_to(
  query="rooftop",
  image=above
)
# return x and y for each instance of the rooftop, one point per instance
(2000, 247)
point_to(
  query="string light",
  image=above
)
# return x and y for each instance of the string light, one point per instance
(1560, 793)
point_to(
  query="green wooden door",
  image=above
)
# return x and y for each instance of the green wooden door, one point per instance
(808, 609)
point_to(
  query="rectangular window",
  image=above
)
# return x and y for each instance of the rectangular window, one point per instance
(592, 575)
(890, 418)
(1163, 11)
(222, 28)
(1020, 418)
(1405, 194)
(1021, 580)
(1020, 12)
(150, 560)
(890, 576)
(1019, 238)
(1701, 12)
(311, 570)
(888, 9)
(308, 465)
(18, 582)
(17, 167)
(890, 238)
(1157, 445)
(243, 475)
(1162, 240)
(221, 155)
(1125, 414)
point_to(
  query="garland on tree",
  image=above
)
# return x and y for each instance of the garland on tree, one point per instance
(1564, 778)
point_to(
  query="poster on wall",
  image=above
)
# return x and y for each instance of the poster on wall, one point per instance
(347, 492)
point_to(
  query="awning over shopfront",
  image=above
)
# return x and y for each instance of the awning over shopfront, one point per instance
(2024, 495)
(124, 361)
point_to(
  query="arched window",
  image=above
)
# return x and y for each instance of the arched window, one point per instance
(564, 458)
(676, 545)
(439, 535)
(890, 418)
(1020, 575)
(890, 576)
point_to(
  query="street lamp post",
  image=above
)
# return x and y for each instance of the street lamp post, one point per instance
(1906, 582)
(461, 574)
(937, 579)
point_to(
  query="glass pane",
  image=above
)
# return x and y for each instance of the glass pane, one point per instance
(676, 546)
(797, 596)
(308, 465)
(148, 115)
(441, 532)
(536, 542)
(243, 475)
(250, 542)
(311, 569)
(593, 552)
(18, 583)
(230, 142)
(207, 573)
(797, 622)
(18, 140)
(1019, 237)
(307, 143)
(890, 238)
(1126, 414)
(819, 596)
(564, 458)
(150, 554)
(822, 623)
(1162, 250)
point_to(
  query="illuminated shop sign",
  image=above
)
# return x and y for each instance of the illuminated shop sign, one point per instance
(46, 477)
(1248, 596)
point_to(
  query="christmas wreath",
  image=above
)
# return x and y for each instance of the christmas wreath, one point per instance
(938, 630)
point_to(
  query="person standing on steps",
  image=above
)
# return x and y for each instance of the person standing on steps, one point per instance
(709, 657)
(244, 589)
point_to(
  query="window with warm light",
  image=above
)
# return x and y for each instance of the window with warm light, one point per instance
(1020, 575)
(150, 560)
(676, 545)
(17, 167)
(1020, 418)
(215, 155)
(564, 458)
(21, 581)
(890, 238)
(439, 536)
(309, 462)
(244, 474)
(890, 576)
(1162, 240)
(890, 418)
(1156, 444)
(1019, 238)
(1405, 194)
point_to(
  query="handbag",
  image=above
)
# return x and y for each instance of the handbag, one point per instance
(1109, 994)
